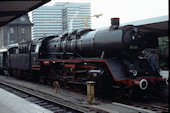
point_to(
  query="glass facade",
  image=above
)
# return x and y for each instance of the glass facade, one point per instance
(64, 16)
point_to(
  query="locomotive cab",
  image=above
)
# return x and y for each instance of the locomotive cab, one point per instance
(35, 51)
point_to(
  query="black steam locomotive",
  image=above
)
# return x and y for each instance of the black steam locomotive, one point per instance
(109, 56)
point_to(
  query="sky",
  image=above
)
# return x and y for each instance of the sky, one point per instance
(126, 10)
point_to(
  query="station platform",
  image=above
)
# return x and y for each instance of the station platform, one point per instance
(10, 103)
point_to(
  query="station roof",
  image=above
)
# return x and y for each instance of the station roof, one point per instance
(12, 9)
(156, 24)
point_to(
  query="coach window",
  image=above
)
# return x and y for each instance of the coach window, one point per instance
(17, 51)
(0, 59)
(26, 50)
(21, 49)
(33, 48)
(13, 51)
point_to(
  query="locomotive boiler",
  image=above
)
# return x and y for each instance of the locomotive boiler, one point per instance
(106, 42)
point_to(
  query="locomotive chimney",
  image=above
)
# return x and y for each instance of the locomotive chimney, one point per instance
(115, 21)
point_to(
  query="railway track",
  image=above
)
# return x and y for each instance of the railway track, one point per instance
(154, 105)
(47, 101)
(151, 105)
(155, 108)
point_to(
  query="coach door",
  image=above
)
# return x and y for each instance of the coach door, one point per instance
(34, 54)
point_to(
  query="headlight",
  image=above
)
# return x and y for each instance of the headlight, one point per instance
(134, 72)
(143, 84)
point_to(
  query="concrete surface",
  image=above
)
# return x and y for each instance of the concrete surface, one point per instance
(10, 103)
(120, 108)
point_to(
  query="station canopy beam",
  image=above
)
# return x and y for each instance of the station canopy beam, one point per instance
(158, 25)
(12, 9)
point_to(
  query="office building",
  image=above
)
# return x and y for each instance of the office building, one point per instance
(62, 17)
(76, 16)
(47, 21)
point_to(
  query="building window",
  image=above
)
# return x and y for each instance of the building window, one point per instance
(23, 40)
(11, 42)
(23, 30)
(22, 19)
(11, 30)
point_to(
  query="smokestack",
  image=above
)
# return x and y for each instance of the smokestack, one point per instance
(115, 21)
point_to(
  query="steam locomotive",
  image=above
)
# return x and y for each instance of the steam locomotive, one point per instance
(109, 56)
